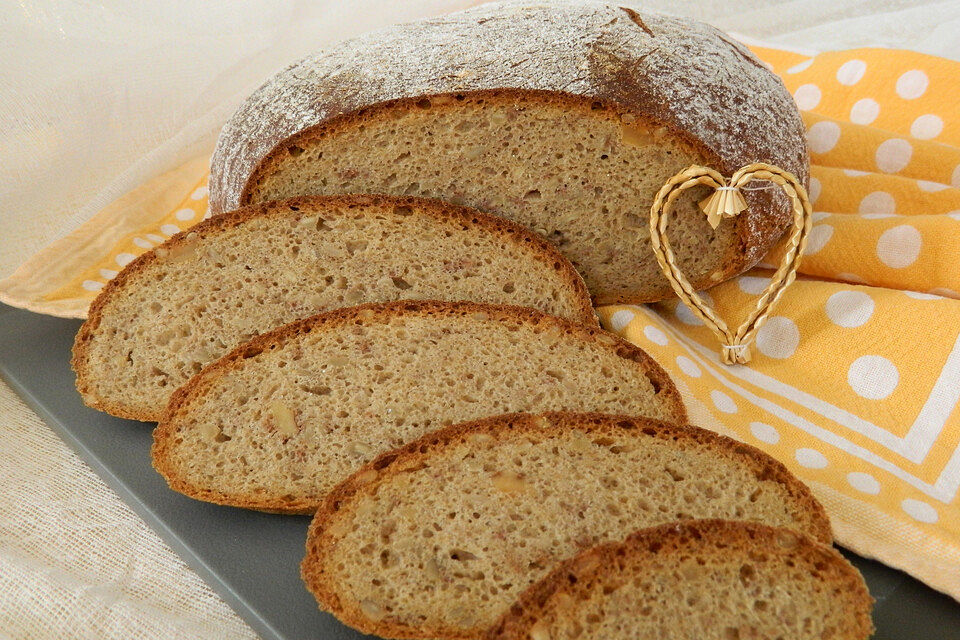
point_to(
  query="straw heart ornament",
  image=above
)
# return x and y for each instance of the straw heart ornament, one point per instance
(727, 202)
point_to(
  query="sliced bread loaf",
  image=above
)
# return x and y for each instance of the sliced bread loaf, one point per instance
(279, 421)
(567, 117)
(438, 538)
(179, 307)
(703, 580)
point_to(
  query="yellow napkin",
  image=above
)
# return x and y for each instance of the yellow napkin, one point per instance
(855, 379)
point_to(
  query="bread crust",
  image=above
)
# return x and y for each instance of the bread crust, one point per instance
(727, 536)
(411, 455)
(540, 248)
(751, 230)
(600, 58)
(166, 430)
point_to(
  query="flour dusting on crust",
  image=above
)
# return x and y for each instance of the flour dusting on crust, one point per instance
(684, 73)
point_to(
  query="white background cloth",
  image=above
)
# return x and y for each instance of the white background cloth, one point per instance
(96, 98)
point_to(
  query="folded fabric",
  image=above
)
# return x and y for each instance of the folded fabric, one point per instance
(855, 380)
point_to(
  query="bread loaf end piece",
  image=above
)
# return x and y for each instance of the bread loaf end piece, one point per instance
(707, 579)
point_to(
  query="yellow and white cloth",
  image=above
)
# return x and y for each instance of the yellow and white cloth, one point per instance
(855, 380)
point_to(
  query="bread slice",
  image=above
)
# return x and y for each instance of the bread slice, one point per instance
(708, 580)
(566, 117)
(188, 302)
(438, 538)
(278, 422)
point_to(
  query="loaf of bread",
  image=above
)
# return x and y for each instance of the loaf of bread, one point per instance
(279, 421)
(702, 580)
(188, 302)
(565, 117)
(438, 538)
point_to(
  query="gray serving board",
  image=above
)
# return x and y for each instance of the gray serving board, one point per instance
(252, 559)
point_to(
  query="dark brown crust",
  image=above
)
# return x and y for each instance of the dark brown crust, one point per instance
(808, 510)
(538, 247)
(180, 401)
(751, 230)
(718, 538)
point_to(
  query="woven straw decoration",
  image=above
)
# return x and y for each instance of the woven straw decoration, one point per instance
(726, 202)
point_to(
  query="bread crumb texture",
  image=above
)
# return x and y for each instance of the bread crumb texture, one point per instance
(281, 420)
(439, 538)
(190, 301)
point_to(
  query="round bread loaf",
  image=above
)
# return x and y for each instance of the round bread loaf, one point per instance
(564, 117)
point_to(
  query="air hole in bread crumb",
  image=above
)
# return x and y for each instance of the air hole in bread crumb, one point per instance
(401, 284)
(316, 390)
(674, 474)
(461, 556)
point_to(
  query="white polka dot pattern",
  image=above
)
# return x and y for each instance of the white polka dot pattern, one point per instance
(864, 111)
(807, 96)
(753, 285)
(849, 309)
(723, 402)
(689, 367)
(819, 236)
(620, 319)
(778, 337)
(851, 71)
(124, 259)
(899, 246)
(877, 203)
(920, 511)
(823, 136)
(655, 335)
(893, 155)
(873, 377)
(811, 458)
(764, 432)
(926, 127)
(863, 482)
(912, 84)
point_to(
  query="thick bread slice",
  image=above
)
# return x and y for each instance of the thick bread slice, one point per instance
(437, 539)
(181, 306)
(278, 422)
(567, 117)
(703, 580)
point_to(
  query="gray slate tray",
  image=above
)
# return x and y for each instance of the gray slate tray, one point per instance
(252, 559)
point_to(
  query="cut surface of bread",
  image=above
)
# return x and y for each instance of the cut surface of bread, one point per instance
(279, 421)
(564, 116)
(438, 538)
(703, 580)
(191, 300)
(511, 155)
